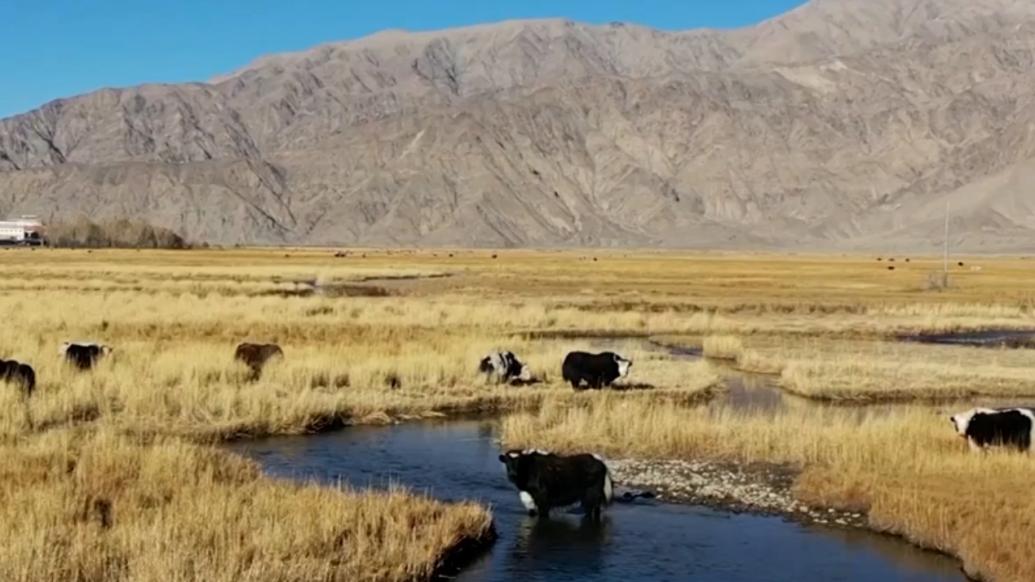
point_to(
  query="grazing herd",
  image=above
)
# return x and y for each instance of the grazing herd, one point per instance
(80, 355)
(85, 355)
(580, 369)
(596, 370)
(544, 480)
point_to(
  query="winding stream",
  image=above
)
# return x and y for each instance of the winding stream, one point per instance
(640, 541)
(993, 338)
(644, 540)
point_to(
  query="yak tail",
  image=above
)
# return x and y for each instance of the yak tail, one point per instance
(609, 488)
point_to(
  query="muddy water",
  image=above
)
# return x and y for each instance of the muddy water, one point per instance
(752, 392)
(995, 338)
(755, 393)
(744, 392)
(641, 541)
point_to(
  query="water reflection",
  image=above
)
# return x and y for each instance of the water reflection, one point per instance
(991, 338)
(643, 541)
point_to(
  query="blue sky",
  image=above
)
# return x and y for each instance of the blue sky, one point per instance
(60, 48)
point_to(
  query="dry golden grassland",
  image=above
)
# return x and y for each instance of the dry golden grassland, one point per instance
(871, 371)
(174, 318)
(171, 511)
(365, 375)
(378, 336)
(722, 347)
(95, 506)
(906, 469)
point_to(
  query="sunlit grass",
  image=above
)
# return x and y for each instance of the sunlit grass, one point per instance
(97, 506)
(380, 336)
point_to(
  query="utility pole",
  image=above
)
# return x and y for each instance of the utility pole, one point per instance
(946, 266)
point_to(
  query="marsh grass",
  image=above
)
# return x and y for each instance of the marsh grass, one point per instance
(871, 371)
(409, 348)
(906, 468)
(723, 347)
(878, 381)
(196, 390)
(96, 506)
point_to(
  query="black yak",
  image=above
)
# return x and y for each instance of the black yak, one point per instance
(596, 370)
(546, 481)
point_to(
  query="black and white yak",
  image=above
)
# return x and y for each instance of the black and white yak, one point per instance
(984, 427)
(596, 370)
(505, 368)
(83, 355)
(547, 481)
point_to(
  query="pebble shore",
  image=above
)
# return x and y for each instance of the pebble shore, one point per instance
(758, 489)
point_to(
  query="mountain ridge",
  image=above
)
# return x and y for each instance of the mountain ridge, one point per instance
(555, 133)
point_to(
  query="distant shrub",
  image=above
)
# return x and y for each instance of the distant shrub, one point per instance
(121, 233)
(937, 281)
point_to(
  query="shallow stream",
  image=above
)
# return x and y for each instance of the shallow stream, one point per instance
(639, 541)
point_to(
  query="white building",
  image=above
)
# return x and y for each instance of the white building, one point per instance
(24, 230)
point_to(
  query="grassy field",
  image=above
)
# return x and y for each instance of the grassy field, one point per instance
(187, 384)
(375, 336)
(873, 371)
(97, 506)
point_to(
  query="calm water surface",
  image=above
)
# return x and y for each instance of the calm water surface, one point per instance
(642, 541)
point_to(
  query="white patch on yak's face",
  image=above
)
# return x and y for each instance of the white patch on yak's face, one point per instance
(623, 366)
(496, 366)
(499, 365)
(959, 424)
(527, 501)
(962, 420)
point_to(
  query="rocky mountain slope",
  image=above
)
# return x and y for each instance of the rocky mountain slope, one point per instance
(842, 124)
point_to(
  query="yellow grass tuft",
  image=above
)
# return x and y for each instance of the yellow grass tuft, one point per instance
(723, 347)
(867, 371)
(195, 389)
(96, 506)
(877, 381)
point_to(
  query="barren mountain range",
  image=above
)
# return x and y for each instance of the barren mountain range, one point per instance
(842, 124)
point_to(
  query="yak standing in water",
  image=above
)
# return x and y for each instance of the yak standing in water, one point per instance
(546, 481)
